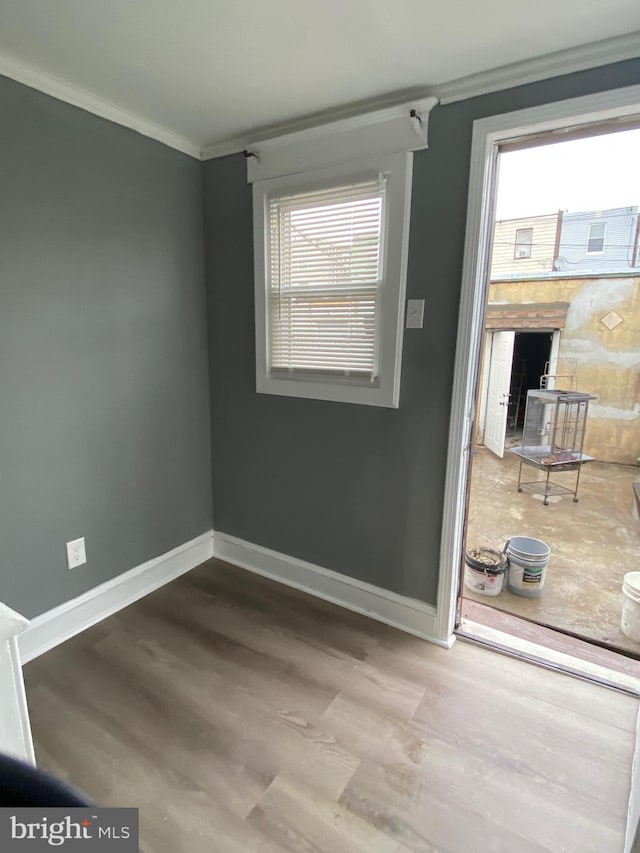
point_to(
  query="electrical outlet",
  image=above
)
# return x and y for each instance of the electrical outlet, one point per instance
(76, 553)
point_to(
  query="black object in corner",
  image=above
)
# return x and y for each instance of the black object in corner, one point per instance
(21, 784)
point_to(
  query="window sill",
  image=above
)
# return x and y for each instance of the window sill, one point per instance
(358, 391)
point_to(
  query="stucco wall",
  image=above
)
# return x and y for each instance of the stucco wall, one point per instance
(606, 361)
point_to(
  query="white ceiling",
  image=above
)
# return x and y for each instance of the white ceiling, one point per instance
(210, 70)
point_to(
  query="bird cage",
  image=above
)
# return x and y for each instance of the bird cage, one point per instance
(555, 423)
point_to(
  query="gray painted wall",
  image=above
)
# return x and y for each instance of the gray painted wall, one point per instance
(367, 501)
(104, 403)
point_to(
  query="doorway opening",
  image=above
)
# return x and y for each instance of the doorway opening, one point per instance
(553, 301)
(531, 362)
(513, 363)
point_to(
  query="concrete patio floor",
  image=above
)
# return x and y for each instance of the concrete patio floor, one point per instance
(593, 542)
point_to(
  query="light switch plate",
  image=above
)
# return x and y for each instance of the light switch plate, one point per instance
(415, 313)
(76, 553)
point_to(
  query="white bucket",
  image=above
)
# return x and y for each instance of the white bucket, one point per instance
(485, 579)
(486, 583)
(630, 621)
(528, 560)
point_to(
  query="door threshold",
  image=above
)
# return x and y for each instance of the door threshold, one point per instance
(596, 651)
(549, 658)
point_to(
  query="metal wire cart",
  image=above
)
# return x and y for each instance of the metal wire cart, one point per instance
(553, 438)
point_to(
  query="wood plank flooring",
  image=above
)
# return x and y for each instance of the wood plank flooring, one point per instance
(241, 715)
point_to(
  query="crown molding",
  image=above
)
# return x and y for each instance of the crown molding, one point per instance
(561, 62)
(49, 84)
(555, 64)
(568, 61)
(232, 145)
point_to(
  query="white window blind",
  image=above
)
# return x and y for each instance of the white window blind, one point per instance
(324, 269)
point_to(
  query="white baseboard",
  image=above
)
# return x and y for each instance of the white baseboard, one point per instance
(57, 625)
(407, 614)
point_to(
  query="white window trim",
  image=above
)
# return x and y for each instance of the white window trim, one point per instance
(604, 237)
(385, 390)
(487, 135)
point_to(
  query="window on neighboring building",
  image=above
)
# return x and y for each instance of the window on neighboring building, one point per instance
(524, 241)
(330, 282)
(595, 243)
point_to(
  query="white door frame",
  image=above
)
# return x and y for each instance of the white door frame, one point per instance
(487, 134)
(554, 354)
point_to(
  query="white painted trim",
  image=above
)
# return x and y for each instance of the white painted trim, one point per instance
(407, 614)
(474, 282)
(379, 134)
(15, 730)
(398, 112)
(487, 134)
(593, 55)
(301, 132)
(554, 354)
(365, 119)
(11, 623)
(554, 64)
(232, 145)
(587, 109)
(51, 85)
(55, 626)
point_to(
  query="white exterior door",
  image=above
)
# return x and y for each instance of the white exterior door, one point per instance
(498, 391)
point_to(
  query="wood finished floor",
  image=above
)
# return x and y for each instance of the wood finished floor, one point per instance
(240, 715)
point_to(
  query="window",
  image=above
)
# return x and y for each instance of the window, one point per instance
(524, 241)
(324, 282)
(330, 255)
(595, 242)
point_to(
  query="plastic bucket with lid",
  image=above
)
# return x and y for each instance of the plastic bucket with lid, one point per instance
(528, 560)
(484, 571)
(630, 621)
